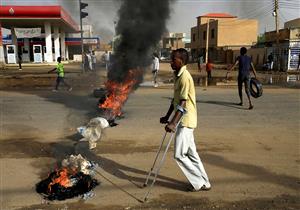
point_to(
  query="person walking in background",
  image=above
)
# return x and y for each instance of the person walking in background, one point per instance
(106, 59)
(245, 64)
(209, 67)
(184, 100)
(20, 60)
(155, 68)
(60, 75)
(94, 60)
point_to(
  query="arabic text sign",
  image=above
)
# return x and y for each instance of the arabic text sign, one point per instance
(27, 32)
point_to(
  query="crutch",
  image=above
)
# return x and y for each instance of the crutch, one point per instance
(155, 170)
(157, 154)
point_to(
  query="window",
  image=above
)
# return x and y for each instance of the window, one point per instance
(194, 37)
(37, 49)
(204, 35)
(212, 35)
(10, 49)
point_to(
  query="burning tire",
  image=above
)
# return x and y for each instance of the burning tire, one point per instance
(82, 184)
(256, 89)
(100, 92)
(72, 180)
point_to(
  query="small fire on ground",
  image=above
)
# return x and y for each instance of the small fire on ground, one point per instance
(73, 179)
(117, 95)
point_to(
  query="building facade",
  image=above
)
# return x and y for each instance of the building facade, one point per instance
(287, 55)
(171, 41)
(221, 31)
(41, 34)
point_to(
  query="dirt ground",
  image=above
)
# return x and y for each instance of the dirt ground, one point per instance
(251, 157)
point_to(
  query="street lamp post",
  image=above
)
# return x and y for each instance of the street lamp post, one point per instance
(207, 37)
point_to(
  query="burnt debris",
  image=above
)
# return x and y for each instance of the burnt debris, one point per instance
(71, 180)
(81, 184)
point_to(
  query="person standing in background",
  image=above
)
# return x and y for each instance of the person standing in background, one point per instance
(106, 59)
(94, 60)
(209, 67)
(199, 64)
(89, 57)
(155, 68)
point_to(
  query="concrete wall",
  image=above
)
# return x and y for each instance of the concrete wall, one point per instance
(172, 43)
(258, 55)
(204, 20)
(195, 38)
(237, 33)
(228, 32)
(284, 34)
(295, 34)
(292, 23)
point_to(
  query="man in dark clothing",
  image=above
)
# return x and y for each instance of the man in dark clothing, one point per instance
(245, 63)
(20, 60)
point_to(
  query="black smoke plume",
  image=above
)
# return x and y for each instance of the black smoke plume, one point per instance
(140, 27)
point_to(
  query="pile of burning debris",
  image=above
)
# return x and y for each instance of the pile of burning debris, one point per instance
(73, 179)
(114, 95)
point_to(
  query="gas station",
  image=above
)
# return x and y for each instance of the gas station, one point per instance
(38, 34)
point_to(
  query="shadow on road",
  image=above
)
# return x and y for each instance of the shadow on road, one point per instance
(257, 172)
(29, 147)
(222, 103)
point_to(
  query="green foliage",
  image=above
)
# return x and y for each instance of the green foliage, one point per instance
(261, 38)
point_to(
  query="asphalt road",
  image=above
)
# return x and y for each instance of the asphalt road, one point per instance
(251, 156)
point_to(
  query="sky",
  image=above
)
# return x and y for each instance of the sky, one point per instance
(103, 13)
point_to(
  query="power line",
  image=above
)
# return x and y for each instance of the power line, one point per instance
(258, 13)
(290, 7)
(283, 16)
(254, 11)
(250, 15)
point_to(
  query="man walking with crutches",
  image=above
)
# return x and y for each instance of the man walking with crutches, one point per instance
(185, 151)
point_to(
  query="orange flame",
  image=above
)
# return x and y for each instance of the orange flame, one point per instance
(62, 179)
(119, 93)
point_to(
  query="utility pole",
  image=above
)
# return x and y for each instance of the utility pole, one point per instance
(277, 34)
(206, 47)
(82, 15)
(81, 40)
(207, 37)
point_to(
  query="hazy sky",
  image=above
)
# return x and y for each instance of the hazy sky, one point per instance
(103, 13)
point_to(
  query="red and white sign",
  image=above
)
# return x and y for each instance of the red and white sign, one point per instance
(90, 41)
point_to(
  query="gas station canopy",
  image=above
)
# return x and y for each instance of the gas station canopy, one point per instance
(36, 16)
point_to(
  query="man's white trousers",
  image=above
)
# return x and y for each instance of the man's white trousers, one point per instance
(188, 159)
